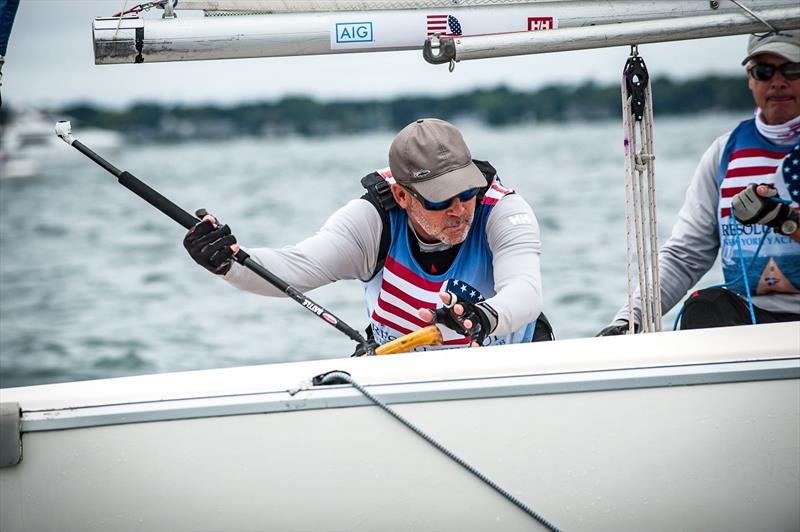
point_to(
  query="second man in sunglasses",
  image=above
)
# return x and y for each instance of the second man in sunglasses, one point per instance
(745, 192)
(436, 238)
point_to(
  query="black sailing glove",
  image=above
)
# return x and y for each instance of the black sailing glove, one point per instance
(752, 208)
(210, 246)
(616, 328)
(482, 316)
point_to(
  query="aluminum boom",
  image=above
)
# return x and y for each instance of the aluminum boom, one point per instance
(449, 49)
(132, 39)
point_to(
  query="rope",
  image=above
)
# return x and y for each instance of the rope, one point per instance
(741, 264)
(334, 377)
(645, 291)
(640, 193)
(655, 281)
(741, 276)
(628, 132)
(639, 221)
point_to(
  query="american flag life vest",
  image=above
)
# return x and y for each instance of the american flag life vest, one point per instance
(402, 286)
(750, 158)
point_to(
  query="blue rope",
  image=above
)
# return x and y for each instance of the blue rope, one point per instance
(743, 275)
(741, 263)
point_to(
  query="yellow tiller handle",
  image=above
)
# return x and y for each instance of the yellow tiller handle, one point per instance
(429, 335)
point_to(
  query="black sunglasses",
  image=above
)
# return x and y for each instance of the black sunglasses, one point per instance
(442, 205)
(765, 72)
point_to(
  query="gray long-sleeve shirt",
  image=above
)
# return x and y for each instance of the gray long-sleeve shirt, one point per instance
(694, 243)
(347, 246)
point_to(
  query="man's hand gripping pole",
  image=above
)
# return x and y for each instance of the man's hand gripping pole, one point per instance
(64, 131)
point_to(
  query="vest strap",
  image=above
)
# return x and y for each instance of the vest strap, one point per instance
(379, 191)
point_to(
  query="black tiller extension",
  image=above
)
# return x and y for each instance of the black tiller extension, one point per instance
(154, 198)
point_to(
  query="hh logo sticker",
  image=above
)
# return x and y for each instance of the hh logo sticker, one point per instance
(354, 32)
(541, 23)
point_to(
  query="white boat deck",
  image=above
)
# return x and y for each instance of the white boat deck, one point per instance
(694, 430)
(746, 343)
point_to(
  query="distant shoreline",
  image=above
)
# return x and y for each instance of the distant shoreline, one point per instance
(305, 116)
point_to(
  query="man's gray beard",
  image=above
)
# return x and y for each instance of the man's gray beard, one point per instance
(439, 235)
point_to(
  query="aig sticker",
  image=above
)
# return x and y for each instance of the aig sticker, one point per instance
(349, 32)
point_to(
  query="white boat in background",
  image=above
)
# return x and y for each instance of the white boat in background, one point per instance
(23, 143)
(689, 430)
(27, 144)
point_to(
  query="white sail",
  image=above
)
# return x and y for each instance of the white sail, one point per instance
(305, 6)
(136, 40)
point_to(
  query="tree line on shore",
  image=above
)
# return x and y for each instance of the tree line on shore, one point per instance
(500, 106)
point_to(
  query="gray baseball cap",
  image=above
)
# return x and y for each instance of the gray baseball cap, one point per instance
(431, 157)
(783, 43)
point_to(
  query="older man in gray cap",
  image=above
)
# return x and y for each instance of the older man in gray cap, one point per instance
(436, 237)
(731, 207)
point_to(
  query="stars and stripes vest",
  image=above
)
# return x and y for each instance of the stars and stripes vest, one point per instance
(401, 287)
(750, 158)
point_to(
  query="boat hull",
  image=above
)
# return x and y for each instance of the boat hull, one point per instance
(626, 441)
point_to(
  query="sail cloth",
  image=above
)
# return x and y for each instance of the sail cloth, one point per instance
(8, 10)
(306, 6)
(313, 32)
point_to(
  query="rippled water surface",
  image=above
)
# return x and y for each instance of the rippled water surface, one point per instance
(95, 283)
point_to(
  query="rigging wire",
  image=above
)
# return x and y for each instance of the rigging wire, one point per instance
(755, 16)
(137, 8)
(162, 4)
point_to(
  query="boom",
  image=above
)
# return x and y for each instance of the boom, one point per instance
(309, 30)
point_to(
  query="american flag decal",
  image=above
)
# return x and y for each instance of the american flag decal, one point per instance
(748, 165)
(444, 25)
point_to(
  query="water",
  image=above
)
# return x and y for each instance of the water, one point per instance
(95, 283)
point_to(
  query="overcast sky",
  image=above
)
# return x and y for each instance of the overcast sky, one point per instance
(50, 62)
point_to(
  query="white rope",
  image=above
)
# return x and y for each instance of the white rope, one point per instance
(628, 134)
(655, 281)
(640, 201)
(640, 218)
(119, 22)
